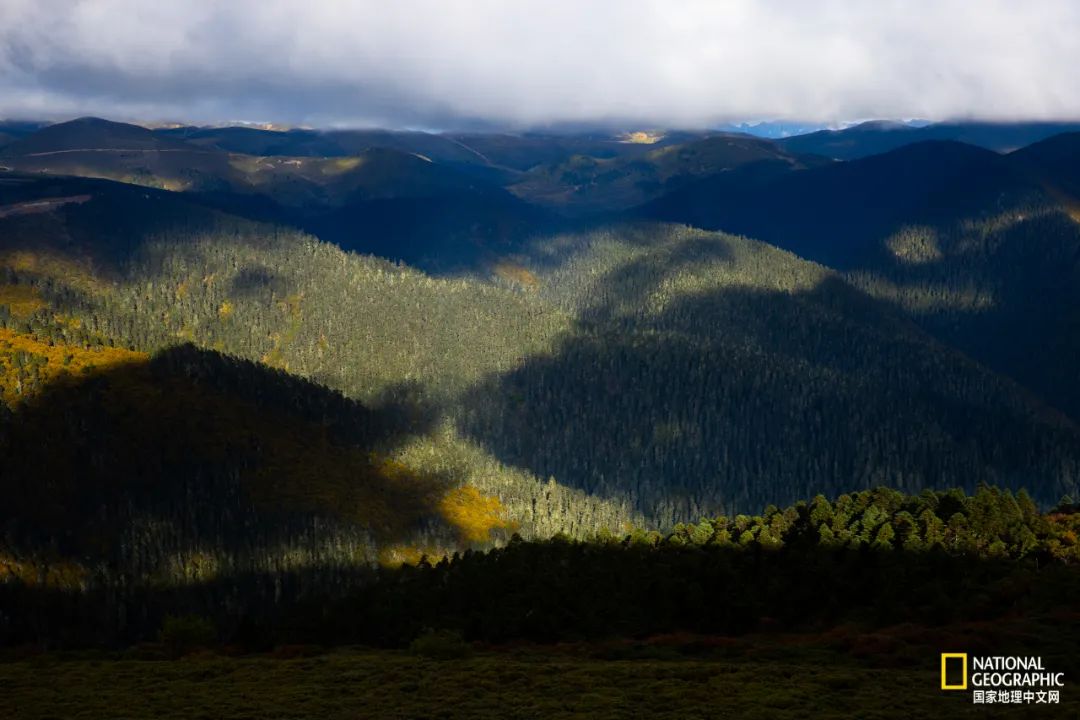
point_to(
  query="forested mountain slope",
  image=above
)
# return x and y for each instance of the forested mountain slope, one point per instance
(1055, 164)
(980, 249)
(839, 213)
(400, 342)
(188, 464)
(729, 370)
(645, 373)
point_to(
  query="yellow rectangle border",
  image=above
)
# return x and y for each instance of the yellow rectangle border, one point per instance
(945, 657)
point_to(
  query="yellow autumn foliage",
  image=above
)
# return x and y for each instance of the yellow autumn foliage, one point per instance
(78, 274)
(62, 575)
(53, 363)
(397, 555)
(22, 300)
(473, 514)
(513, 272)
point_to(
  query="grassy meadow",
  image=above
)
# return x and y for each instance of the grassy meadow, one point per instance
(836, 675)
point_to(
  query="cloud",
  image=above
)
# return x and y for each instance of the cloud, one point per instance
(522, 62)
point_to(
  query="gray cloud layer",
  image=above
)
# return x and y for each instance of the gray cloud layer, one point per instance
(453, 62)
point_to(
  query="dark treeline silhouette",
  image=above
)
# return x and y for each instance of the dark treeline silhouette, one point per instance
(872, 558)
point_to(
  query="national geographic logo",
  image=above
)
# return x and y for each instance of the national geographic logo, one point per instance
(1002, 679)
(953, 660)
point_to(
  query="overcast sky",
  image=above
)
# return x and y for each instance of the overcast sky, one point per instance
(454, 63)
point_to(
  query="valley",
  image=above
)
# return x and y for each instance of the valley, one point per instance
(291, 377)
(530, 360)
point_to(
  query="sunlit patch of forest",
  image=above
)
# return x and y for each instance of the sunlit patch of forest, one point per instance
(28, 365)
(21, 300)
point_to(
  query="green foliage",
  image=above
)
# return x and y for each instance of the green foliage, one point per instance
(986, 523)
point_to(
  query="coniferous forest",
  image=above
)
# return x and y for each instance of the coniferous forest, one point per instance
(490, 419)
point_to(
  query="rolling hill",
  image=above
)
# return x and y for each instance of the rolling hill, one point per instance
(978, 248)
(92, 147)
(1055, 164)
(12, 130)
(399, 204)
(493, 155)
(700, 370)
(631, 318)
(875, 137)
(584, 184)
(324, 143)
(837, 214)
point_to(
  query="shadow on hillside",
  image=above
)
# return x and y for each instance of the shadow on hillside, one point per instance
(733, 397)
(839, 214)
(108, 230)
(1003, 236)
(192, 454)
(1025, 271)
(443, 234)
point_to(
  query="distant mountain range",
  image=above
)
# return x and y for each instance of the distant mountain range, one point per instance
(875, 137)
(370, 183)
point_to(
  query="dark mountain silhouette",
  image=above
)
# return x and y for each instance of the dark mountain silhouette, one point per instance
(91, 133)
(12, 130)
(872, 138)
(834, 213)
(1055, 163)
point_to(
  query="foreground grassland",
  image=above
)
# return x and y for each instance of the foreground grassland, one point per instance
(774, 680)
